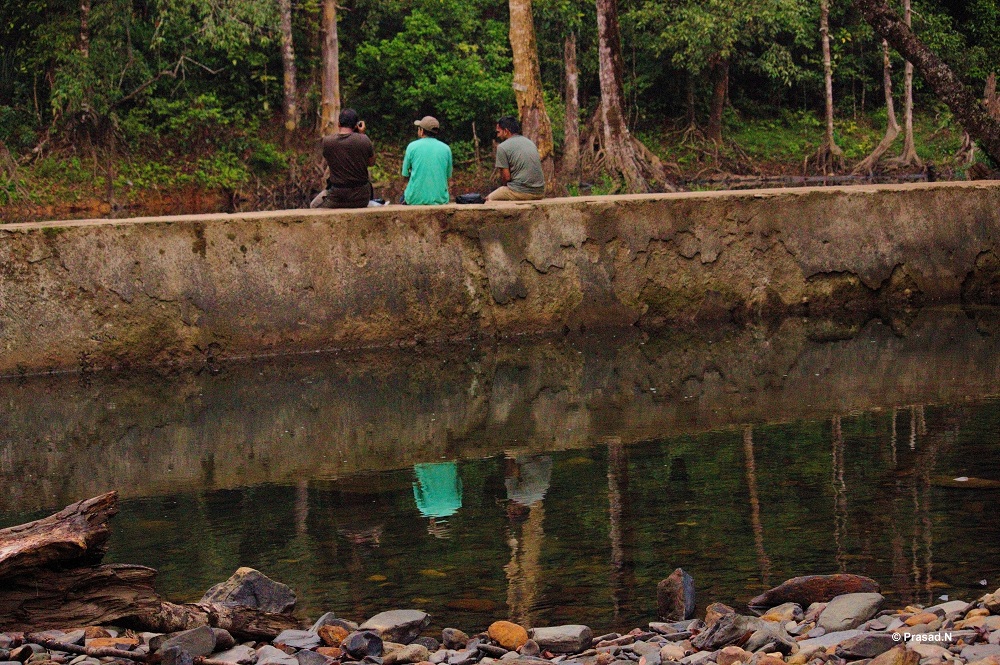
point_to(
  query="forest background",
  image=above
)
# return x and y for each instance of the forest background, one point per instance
(202, 105)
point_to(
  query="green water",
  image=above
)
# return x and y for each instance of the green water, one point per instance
(549, 482)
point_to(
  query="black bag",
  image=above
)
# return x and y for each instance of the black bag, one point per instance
(474, 197)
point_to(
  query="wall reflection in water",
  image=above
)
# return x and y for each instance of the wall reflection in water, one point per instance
(553, 482)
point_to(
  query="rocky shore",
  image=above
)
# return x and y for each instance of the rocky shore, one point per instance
(813, 620)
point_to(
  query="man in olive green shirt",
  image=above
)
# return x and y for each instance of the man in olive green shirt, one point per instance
(427, 164)
(519, 163)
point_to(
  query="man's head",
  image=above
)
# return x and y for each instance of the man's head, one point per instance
(507, 126)
(349, 118)
(427, 126)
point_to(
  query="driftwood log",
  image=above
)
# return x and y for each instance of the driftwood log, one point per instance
(51, 577)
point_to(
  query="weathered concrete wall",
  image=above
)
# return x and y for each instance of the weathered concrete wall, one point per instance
(176, 290)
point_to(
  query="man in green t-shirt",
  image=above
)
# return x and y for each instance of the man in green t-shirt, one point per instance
(428, 166)
(519, 163)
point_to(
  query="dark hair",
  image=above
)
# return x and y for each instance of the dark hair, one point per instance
(509, 123)
(349, 118)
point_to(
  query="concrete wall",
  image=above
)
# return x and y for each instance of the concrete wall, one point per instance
(160, 291)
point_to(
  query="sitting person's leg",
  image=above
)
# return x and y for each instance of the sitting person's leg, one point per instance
(505, 193)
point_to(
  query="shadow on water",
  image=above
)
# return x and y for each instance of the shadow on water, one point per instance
(555, 481)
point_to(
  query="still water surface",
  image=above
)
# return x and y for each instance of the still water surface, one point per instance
(550, 482)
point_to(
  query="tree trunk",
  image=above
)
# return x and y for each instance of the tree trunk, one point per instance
(621, 151)
(720, 83)
(85, 28)
(909, 156)
(330, 104)
(571, 128)
(288, 64)
(535, 122)
(830, 156)
(964, 104)
(867, 165)
(692, 123)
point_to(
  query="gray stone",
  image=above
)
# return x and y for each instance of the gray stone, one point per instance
(671, 652)
(438, 657)
(306, 657)
(240, 654)
(298, 639)
(466, 656)
(849, 610)
(269, 655)
(428, 643)
(662, 628)
(971, 654)
(829, 639)
(647, 650)
(698, 658)
(411, 653)
(398, 625)
(362, 643)
(675, 599)
(867, 645)
(175, 655)
(530, 649)
(327, 620)
(197, 642)
(251, 588)
(950, 607)
(571, 638)
(453, 638)
(223, 640)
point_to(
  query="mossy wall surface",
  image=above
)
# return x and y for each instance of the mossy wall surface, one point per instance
(185, 290)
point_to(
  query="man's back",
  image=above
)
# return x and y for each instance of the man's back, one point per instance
(428, 165)
(520, 155)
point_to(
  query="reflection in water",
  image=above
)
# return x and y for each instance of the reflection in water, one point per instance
(471, 482)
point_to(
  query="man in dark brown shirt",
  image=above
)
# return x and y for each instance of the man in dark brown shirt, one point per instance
(348, 154)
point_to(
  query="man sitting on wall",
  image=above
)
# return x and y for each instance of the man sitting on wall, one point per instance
(427, 164)
(519, 163)
(348, 155)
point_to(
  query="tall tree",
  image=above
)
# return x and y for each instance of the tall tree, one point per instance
(830, 156)
(571, 123)
(867, 165)
(624, 155)
(909, 156)
(288, 65)
(527, 85)
(963, 102)
(330, 102)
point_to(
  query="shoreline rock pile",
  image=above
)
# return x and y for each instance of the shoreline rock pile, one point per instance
(815, 620)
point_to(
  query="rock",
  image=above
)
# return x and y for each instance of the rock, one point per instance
(223, 640)
(731, 655)
(949, 607)
(898, 655)
(829, 639)
(333, 652)
(428, 643)
(849, 610)
(815, 588)
(95, 631)
(728, 629)
(662, 628)
(675, 596)
(362, 643)
(507, 634)
(784, 613)
(697, 658)
(298, 639)
(453, 638)
(268, 655)
(439, 657)
(411, 653)
(925, 650)
(571, 638)
(176, 656)
(648, 653)
(716, 610)
(922, 617)
(398, 625)
(770, 659)
(771, 637)
(971, 654)
(197, 642)
(671, 652)
(867, 645)
(238, 655)
(331, 635)
(992, 602)
(530, 649)
(989, 660)
(328, 619)
(306, 657)
(251, 588)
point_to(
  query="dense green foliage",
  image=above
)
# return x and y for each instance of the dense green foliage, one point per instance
(197, 83)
